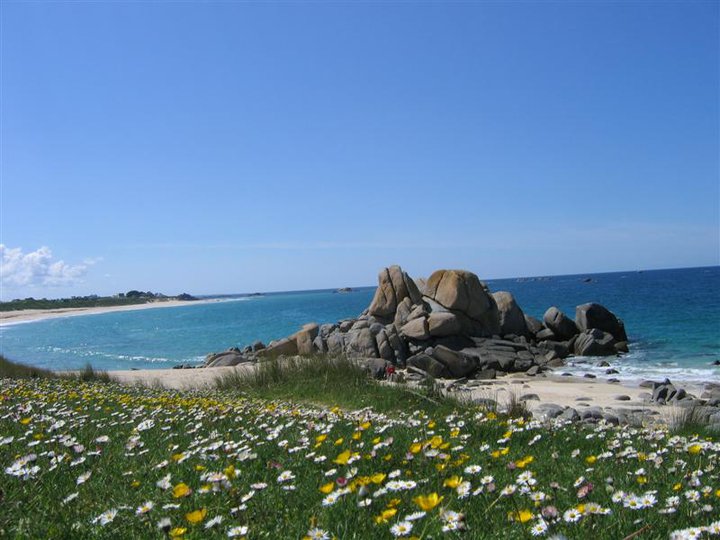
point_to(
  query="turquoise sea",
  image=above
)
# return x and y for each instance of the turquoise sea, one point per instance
(672, 318)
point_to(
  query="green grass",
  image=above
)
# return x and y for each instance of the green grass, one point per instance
(306, 420)
(16, 370)
(332, 382)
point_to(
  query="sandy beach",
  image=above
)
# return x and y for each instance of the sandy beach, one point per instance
(28, 315)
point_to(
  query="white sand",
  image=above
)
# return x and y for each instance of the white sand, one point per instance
(556, 389)
(27, 315)
(178, 379)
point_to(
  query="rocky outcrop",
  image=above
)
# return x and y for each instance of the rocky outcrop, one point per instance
(561, 326)
(511, 317)
(451, 326)
(393, 287)
(594, 343)
(462, 293)
(592, 315)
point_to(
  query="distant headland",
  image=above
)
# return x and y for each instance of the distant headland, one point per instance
(131, 297)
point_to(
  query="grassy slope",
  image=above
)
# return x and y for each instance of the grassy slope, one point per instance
(260, 435)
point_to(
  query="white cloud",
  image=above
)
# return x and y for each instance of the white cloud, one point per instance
(37, 268)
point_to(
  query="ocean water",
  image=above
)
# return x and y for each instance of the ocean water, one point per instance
(672, 318)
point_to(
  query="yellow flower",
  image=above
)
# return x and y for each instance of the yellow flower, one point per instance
(181, 490)
(428, 502)
(327, 488)
(378, 478)
(495, 454)
(524, 462)
(230, 472)
(491, 416)
(342, 458)
(385, 516)
(452, 482)
(320, 438)
(677, 487)
(642, 480)
(201, 467)
(694, 449)
(135, 483)
(523, 516)
(196, 516)
(415, 447)
(177, 532)
(505, 451)
(356, 435)
(339, 441)
(431, 424)
(25, 421)
(364, 426)
(590, 460)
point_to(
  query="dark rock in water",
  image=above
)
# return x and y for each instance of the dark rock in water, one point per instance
(587, 280)
(592, 315)
(257, 346)
(590, 376)
(178, 366)
(611, 372)
(715, 363)
(562, 326)
(343, 290)
(512, 318)
(595, 343)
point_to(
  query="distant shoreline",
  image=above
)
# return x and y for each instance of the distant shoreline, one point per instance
(8, 318)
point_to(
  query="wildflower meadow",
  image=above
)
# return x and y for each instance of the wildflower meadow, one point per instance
(101, 460)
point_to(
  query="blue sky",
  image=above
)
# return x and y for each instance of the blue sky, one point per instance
(238, 147)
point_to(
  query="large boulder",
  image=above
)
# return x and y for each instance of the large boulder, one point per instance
(457, 364)
(394, 285)
(592, 315)
(227, 358)
(595, 343)
(444, 324)
(385, 350)
(361, 343)
(416, 329)
(429, 365)
(281, 347)
(512, 318)
(463, 294)
(305, 338)
(533, 325)
(562, 326)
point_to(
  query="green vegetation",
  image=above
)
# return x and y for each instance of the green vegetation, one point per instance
(285, 454)
(123, 299)
(15, 370)
(331, 382)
